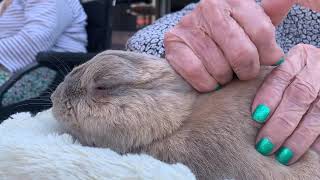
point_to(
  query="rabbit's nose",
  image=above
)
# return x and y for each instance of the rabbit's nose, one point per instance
(56, 93)
(53, 95)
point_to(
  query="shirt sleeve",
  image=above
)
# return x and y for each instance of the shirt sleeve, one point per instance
(43, 25)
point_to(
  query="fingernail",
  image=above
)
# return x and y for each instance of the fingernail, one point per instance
(264, 146)
(217, 88)
(261, 113)
(284, 155)
(279, 62)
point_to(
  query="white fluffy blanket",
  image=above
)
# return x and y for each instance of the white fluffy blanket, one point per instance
(34, 148)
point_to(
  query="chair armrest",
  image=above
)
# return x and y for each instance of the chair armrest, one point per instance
(14, 78)
(32, 105)
(58, 60)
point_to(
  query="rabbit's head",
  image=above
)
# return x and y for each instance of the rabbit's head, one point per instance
(122, 100)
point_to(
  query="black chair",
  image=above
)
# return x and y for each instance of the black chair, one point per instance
(99, 31)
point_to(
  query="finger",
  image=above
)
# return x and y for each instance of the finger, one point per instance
(259, 28)
(302, 138)
(277, 10)
(236, 46)
(295, 103)
(187, 64)
(205, 49)
(270, 93)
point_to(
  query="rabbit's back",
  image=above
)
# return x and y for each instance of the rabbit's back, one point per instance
(217, 141)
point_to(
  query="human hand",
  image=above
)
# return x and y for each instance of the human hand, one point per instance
(288, 101)
(220, 38)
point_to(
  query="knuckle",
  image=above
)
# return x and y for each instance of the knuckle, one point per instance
(301, 46)
(306, 132)
(240, 57)
(281, 75)
(187, 20)
(307, 48)
(245, 59)
(265, 28)
(285, 124)
(223, 75)
(307, 54)
(192, 70)
(244, 54)
(303, 92)
(169, 37)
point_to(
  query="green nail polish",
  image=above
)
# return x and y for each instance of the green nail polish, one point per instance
(279, 62)
(261, 113)
(217, 88)
(264, 146)
(284, 155)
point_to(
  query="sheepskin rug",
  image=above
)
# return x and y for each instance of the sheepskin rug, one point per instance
(34, 148)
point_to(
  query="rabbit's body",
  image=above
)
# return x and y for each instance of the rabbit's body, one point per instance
(217, 141)
(135, 103)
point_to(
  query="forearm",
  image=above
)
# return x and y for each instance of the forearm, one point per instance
(20, 50)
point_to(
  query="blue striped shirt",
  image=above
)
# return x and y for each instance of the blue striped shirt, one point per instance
(28, 27)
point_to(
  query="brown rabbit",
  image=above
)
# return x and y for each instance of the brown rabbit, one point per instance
(134, 103)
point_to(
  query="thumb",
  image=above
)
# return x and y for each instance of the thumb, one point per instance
(277, 10)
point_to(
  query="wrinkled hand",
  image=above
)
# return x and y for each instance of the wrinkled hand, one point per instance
(219, 38)
(288, 101)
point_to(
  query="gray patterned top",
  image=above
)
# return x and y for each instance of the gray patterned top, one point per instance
(301, 26)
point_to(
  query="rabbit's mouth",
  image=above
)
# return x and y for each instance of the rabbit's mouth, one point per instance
(62, 110)
(62, 107)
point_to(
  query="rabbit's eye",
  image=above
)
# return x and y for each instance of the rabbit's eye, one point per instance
(105, 87)
(101, 88)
